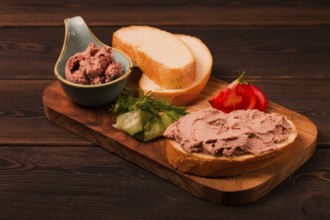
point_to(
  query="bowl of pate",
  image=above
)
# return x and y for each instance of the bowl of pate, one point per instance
(90, 72)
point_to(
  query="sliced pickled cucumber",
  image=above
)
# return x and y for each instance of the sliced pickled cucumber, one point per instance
(143, 125)
(146, 116)
(174, 115)
(167, 120)
(130, 122)
(153, 128)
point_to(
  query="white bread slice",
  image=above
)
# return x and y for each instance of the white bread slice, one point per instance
(159, 54)
(219, 166)
(203, 71)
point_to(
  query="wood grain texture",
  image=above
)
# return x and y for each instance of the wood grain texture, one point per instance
(23, 121)
(47, 172)
(47, 182)
(211, 13)
(264, 53)
(94, 124)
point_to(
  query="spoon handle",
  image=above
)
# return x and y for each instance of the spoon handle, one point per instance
(78, 34)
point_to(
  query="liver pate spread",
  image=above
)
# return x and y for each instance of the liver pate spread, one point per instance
(93, 66)
(213, 132)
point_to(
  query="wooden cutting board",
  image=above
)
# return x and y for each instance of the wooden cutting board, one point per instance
(94, 124)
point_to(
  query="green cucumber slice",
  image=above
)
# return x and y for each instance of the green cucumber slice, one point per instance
(143, 125)
(153, 129)
(167, 120)
(172, 114)
(130, 122)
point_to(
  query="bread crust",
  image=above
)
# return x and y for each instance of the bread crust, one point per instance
(221, 166)
(186, 95)
(166, 77)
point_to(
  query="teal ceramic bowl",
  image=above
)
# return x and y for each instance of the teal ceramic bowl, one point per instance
(77, 38)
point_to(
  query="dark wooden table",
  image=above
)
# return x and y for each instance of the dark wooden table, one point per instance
(47, 172)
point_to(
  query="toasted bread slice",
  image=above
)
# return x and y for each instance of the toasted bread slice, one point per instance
(203, 71)
(159, 54)
(219, 166)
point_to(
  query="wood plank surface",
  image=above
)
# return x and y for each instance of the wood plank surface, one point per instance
(170, 13)
(89, 183)
(264, 53)
(23, 121)
(94, 124)
(47, 172)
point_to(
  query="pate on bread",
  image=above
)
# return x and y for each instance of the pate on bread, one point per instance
(213, 144)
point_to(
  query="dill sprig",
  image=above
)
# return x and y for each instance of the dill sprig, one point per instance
(131, 100)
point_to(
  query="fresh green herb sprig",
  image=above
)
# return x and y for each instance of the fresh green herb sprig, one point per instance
(131, 100)
(144, 116)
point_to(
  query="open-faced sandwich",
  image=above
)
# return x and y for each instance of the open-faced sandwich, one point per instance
(211, 143)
